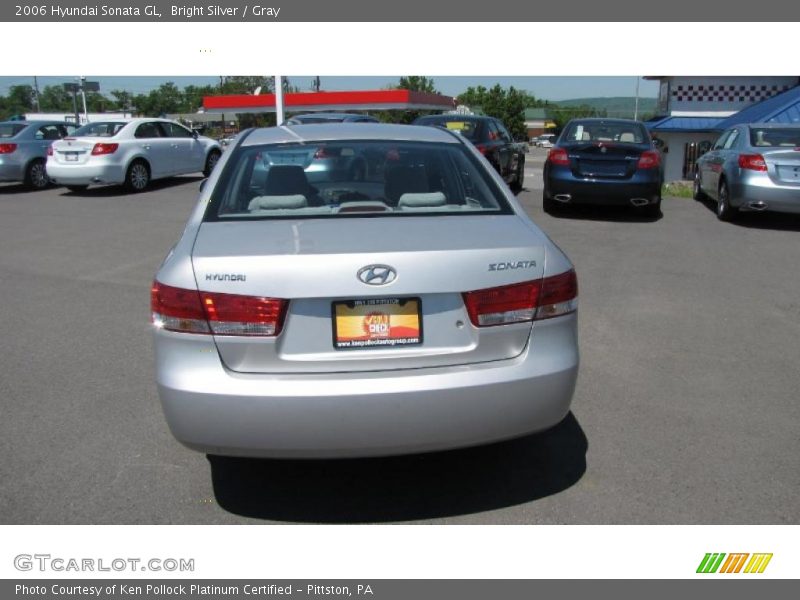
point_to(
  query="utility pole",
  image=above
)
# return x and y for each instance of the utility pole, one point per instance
(36, 94)
(83, 98)
(278, 100)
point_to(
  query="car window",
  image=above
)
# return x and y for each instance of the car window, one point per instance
(99, 129)
(773, 137)
(467, 128)
(606, 131)
(504, 134)
(48, 132)
(341, 179)
(150, 129)
(176, 131)
(721, 140)
(9, 130)
(731, 141)
(66, 129)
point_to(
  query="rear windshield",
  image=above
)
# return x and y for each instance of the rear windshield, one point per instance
(772, 137)
(605, 131)
(100, 129)
(9, 130)
(353, 178)
(464, 127)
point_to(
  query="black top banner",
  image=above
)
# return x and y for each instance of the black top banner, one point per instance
(407, 10)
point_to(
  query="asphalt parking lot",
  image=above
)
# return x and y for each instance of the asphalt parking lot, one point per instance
(687, 408)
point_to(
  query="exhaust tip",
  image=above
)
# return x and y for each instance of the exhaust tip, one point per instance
(757, 205)
(563, 197)
(639, 201)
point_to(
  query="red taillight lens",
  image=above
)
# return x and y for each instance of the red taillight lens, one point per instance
(177, 309)
(100, 149)
(520, 302)
(7, 148)
(559, 295)
(50, 150)
(752, 162)
(650, 159)
(482, 148)
(190, 311)
(558, 156)
(231, 314)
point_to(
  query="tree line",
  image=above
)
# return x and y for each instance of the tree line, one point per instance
(507, 104)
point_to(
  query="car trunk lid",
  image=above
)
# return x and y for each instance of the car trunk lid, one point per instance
(603, 160)
(315, 264)
(784, 165)
(76, 150)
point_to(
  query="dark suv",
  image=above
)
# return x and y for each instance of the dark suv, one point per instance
(491, 138)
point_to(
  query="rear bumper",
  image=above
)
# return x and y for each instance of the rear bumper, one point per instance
(213, 410)
(87, 174)
(11, 171)
(562, 182)
(776, 198)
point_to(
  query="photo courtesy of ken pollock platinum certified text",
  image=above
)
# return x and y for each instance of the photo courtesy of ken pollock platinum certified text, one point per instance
(193, 589)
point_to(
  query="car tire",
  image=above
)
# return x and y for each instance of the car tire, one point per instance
(137, 178)
(211, 162)
(697, 191)
(519, 179)
(36, 175)
(77, 188)
(725, 212)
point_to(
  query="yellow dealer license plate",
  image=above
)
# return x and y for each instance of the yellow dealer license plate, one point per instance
(377, 323)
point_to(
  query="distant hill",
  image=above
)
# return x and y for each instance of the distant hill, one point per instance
(618, 106)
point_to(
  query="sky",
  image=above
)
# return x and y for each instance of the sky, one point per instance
(548, 88)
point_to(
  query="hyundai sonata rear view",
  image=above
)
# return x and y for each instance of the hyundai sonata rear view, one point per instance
(407, 307)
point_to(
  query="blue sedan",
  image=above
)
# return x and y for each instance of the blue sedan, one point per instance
(604, 161)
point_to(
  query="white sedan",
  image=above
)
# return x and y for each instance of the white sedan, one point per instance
(130, 152)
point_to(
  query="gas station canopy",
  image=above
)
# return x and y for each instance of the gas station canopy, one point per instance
(329, 101)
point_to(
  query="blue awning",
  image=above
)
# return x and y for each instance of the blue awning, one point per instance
(782, 108)
(684, 124)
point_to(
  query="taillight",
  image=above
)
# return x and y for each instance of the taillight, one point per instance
(650, 159)
(482, 148)
(752, 162)
(520, 302)
(7, 148)
(231, 314)
(177, 309)
(190, 311)
(101, 148)
(558, 156)
(50, 150)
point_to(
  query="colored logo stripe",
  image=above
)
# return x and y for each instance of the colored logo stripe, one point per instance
(733, 564)
(710, 562)
(758, 563)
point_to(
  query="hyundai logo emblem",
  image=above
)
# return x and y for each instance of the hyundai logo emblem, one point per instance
(377, 274)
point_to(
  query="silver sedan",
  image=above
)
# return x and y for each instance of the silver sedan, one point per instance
(23, 149)
(415, 309)
(753, 167)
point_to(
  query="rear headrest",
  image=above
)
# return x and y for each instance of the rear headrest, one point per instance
(410, 200)
(627, 137)
(405, 179)
(273, 202)
(585, 136)
(286, 180)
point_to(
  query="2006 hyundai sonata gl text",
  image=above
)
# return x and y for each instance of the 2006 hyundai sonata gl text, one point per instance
(403, 307)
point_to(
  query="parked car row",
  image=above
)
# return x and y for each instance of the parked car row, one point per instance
(131, 152)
